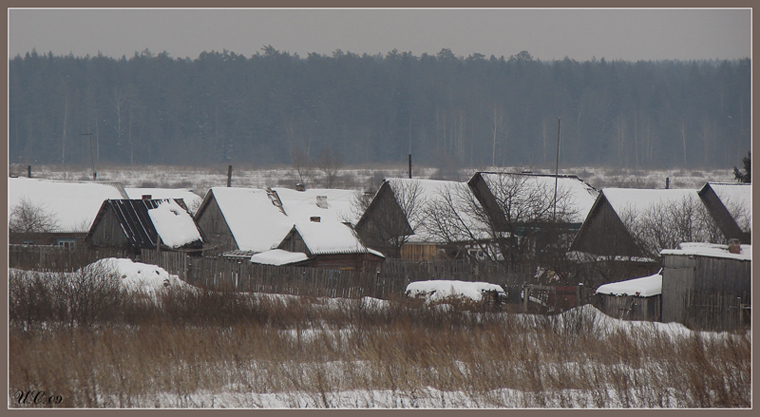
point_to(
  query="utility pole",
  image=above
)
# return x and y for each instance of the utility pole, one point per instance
(92, 158)
(556, 169)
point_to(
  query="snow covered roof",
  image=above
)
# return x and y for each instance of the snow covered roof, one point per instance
(438, 290)
(640, 287)
(332, 204)
(330, 237)
(637, 201)
(278, 257)
(712, 250)
(174, 224)
(578, 197)
(74, 204)
(435, 192)
(255, 222)
(192, 200)
(737, 198)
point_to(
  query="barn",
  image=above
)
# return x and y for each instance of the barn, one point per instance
(71, 206)
(705, 284)
(136, 224)
(633, 299)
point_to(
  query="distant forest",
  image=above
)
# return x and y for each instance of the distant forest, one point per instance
(447, 111)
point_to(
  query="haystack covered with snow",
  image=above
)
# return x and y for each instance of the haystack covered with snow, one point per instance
(138, 277)
(440, 290)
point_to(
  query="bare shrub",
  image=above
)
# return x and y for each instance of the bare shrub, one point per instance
(28, 217)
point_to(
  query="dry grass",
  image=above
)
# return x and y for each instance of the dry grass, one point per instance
(309, 351)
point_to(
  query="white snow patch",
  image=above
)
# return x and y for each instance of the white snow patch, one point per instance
(438, 290)
(278, 257)
(641, 287)
(174, 225)
(138, 277)
(191, 199)
(712, 250)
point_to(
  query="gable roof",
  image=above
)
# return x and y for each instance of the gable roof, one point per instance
(577, 196)
(74, 204)
(329, 238)
(637, 201)
(432, 193)
(143, 221)
(255, 222)
(736, 198)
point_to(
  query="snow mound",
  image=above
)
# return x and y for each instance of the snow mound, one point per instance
(136, 277)
(438, 290)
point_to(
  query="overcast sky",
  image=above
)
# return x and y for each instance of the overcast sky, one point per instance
(580, 34)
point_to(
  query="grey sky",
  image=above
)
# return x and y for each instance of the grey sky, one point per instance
(548, 34)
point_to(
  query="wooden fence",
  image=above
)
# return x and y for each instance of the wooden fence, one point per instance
(220, 272)
(390, 280)
(717, 310)
(56, 259)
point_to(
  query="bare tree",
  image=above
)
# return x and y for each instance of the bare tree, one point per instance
(302, 164)
(330, 162)
(520, 226)
(27, 217)
(667, 224)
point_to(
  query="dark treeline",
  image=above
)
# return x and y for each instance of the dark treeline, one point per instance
(447, 110)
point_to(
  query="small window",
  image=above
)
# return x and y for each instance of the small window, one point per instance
(67, 243)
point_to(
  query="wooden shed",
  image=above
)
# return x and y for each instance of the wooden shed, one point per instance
(700, 280)
(634, 299)
(138, 224)
(341, 249)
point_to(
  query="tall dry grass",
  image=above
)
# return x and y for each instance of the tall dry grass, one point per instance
(310, 351)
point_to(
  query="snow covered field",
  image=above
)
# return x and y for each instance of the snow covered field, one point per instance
(201, 179)
(370, 353)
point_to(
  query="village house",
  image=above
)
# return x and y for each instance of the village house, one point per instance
(547, 210)
(626, 228)
(135, 224)
(69, 209)
(250, 223)
(699, 274)
(415, 219)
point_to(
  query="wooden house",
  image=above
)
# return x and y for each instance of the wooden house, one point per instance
(547, 210)
(634, 299)
(244, 222)
(696, 272)
(163, 224)
(422, 220)
(730, 206)
(71, 207)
